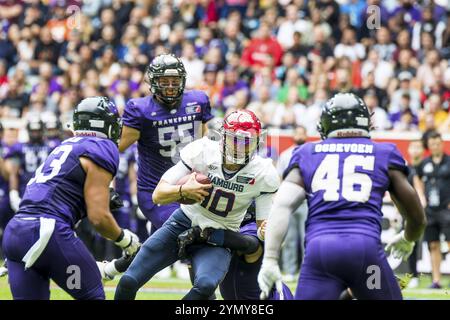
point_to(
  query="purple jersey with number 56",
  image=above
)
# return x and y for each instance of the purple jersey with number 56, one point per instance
(164, 132)
(57, 188)
(345, 181)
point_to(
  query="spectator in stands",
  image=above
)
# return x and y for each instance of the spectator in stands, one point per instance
(231, 85)
(380, 119)
(384, 46)
(263, 50)
(263, 106)
(290, 114)
(405, 88)
(433, 109)
(349, 47)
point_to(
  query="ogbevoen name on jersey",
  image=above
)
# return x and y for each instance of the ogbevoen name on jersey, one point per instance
(175, 120)
(344, 147)
(225, 184)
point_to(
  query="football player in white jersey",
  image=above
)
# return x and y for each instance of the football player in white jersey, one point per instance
(238, 176)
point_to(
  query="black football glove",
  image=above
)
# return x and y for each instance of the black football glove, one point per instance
(115, 202)
(191, 236)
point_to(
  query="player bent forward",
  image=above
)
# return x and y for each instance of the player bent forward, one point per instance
(238, 177)
(73, 182)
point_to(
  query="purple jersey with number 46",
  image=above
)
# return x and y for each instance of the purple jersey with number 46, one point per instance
(345, 181)
(57, 188)
(164, 132)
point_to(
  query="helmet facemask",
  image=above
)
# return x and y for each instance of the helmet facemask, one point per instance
(167, 79)
(240, 146)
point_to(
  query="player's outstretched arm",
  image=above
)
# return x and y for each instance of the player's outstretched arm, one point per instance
(289, 196)
(167, 191)
(97, 194)
(408, 204)
(97, 198)
(128, 137)
(12, 168)
(287, 199)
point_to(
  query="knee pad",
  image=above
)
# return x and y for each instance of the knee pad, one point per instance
(206, 286)
(127, 286)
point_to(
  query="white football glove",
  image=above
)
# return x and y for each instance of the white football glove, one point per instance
(14, 200)
(261, 232)
(129, 242)
(269, 274)
(399, 247)
(102, 266)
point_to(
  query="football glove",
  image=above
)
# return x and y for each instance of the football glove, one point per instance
(129, 242)
(269, 275)
(399, 247)
(115, 202)
(14, 200)
(261, 232)
(192, 236)
(102, 266)
(3, 270)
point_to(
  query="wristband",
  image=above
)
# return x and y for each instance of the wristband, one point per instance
(179, 191)
(122, 234)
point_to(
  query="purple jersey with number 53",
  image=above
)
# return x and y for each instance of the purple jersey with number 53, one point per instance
(57, 188)
(345, 181)
(163, 132)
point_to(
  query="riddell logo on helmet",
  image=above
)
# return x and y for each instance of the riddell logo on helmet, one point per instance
(349, 134)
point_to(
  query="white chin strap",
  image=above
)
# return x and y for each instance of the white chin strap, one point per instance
(348, 133)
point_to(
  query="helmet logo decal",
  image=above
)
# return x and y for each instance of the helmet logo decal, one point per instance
(97, 123)
(362, 121)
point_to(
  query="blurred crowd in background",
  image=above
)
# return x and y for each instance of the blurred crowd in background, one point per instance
(280, 58)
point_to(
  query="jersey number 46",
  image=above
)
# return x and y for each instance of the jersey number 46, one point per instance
(354, 186)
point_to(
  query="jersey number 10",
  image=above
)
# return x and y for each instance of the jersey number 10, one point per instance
(218, 194)
(326, 178)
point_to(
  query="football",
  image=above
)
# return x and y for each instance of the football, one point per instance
(201, 178)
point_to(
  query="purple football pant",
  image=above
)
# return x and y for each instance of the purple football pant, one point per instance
(123, 215)
(335, 262)
(60, 261)
(156, 214)
(241, 281)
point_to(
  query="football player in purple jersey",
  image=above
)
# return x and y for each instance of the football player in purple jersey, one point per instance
(344, 178)
(6, 212)
(23, 159)
(53, 132)
(72, 183)
(162, 124)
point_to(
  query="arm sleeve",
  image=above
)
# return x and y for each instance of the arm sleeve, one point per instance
(132, 116)
(288, 199)
(294, 162)
(247, 244)
(263, 205)
(104, 153)
(175, 173)
(397, 162)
